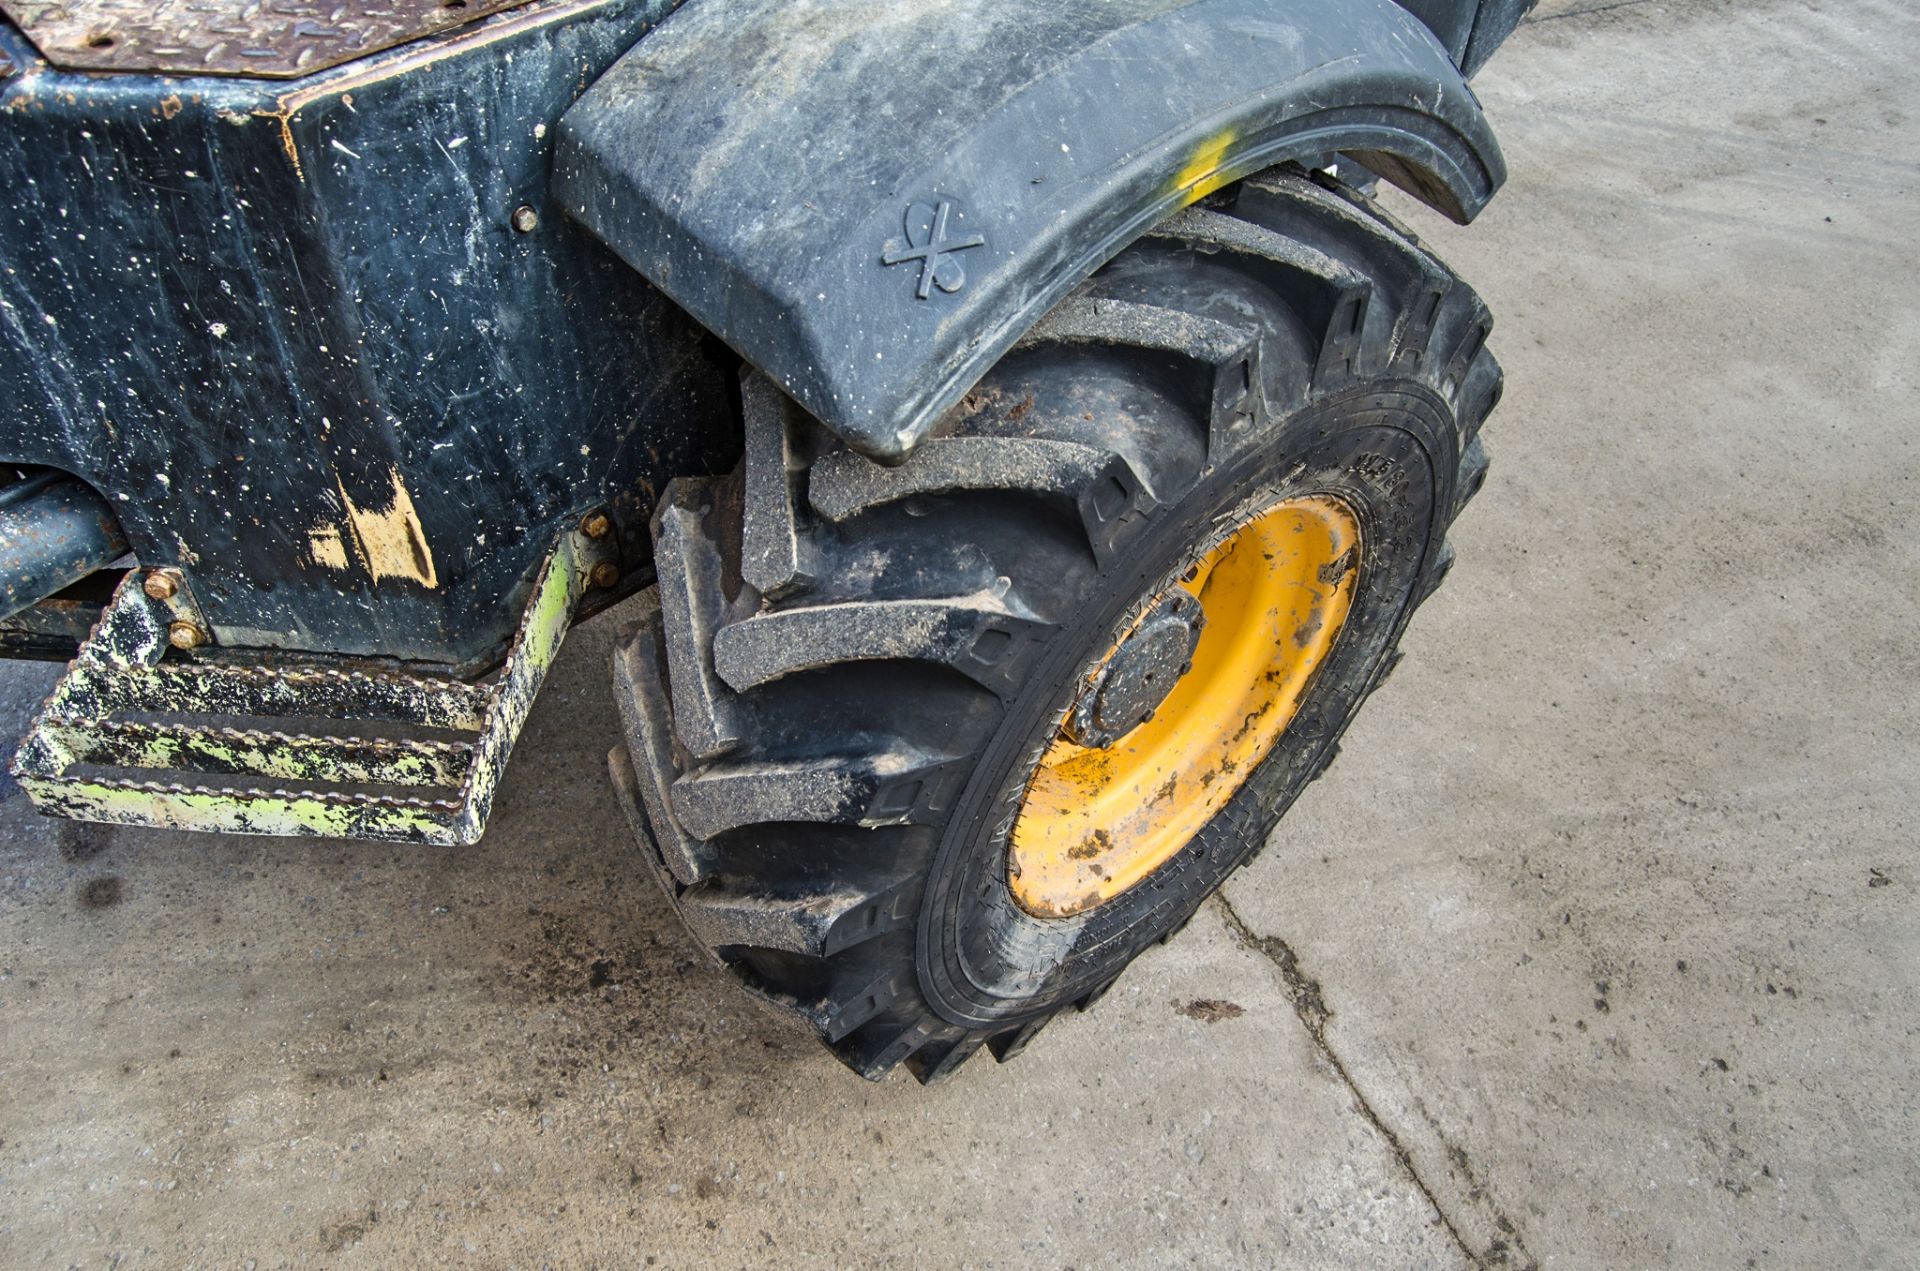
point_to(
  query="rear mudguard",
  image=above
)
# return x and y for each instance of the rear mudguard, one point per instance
(870, 201)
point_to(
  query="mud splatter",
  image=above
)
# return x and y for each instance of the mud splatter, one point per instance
(83, 840)
(1210, 1010)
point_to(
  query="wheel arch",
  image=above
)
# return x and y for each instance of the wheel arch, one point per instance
(760, 161)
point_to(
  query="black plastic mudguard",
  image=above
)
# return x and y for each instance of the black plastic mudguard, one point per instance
(871, 200)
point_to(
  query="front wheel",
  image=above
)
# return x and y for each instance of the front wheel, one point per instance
(927, 754)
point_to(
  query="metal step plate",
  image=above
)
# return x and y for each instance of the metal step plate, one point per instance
(97, 752)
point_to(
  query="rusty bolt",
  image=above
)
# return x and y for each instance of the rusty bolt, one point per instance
(525, 219)
(606, 574)
(184, 635)
(596, 525)
(160, 585)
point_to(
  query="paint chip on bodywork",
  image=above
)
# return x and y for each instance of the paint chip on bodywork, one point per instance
(327, 547)
(391, 541)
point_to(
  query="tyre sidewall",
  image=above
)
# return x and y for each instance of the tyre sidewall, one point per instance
(1388, 452)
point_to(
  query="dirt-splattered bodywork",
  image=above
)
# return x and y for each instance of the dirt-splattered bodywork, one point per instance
(349, 319)
(291, 332)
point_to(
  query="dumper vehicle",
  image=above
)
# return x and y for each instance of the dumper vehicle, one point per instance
(1014, 433)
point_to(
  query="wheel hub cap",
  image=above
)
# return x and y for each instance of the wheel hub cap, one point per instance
(1143, 669)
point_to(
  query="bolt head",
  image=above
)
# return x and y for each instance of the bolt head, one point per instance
(184, 635)
(160, 586)
(525, 219)
(606, 574)
(596, 525)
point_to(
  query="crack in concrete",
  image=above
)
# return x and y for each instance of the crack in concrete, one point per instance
(1309, 1003)
(1605, 6)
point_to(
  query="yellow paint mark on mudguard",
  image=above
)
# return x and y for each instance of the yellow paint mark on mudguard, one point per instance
(1202, 175)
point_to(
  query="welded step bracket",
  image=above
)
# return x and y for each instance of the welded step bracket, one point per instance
(95, 752)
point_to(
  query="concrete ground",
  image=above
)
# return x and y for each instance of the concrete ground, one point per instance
(1599, 947)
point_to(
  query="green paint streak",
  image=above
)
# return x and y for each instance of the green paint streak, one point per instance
(70, 731)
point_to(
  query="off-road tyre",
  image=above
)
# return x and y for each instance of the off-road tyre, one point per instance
(833, 702)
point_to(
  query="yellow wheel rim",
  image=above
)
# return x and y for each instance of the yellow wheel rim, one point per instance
(1274, 591)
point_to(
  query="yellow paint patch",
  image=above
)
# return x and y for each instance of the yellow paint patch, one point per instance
(327, 547)
(1201, 176)
(391, 540)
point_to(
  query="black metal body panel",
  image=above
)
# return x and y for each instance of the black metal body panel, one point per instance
(871, 201)
(291, 332)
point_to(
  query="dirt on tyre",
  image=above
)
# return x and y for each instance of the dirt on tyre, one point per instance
(926, 754)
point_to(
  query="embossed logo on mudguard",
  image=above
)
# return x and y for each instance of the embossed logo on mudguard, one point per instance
(927, 242)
